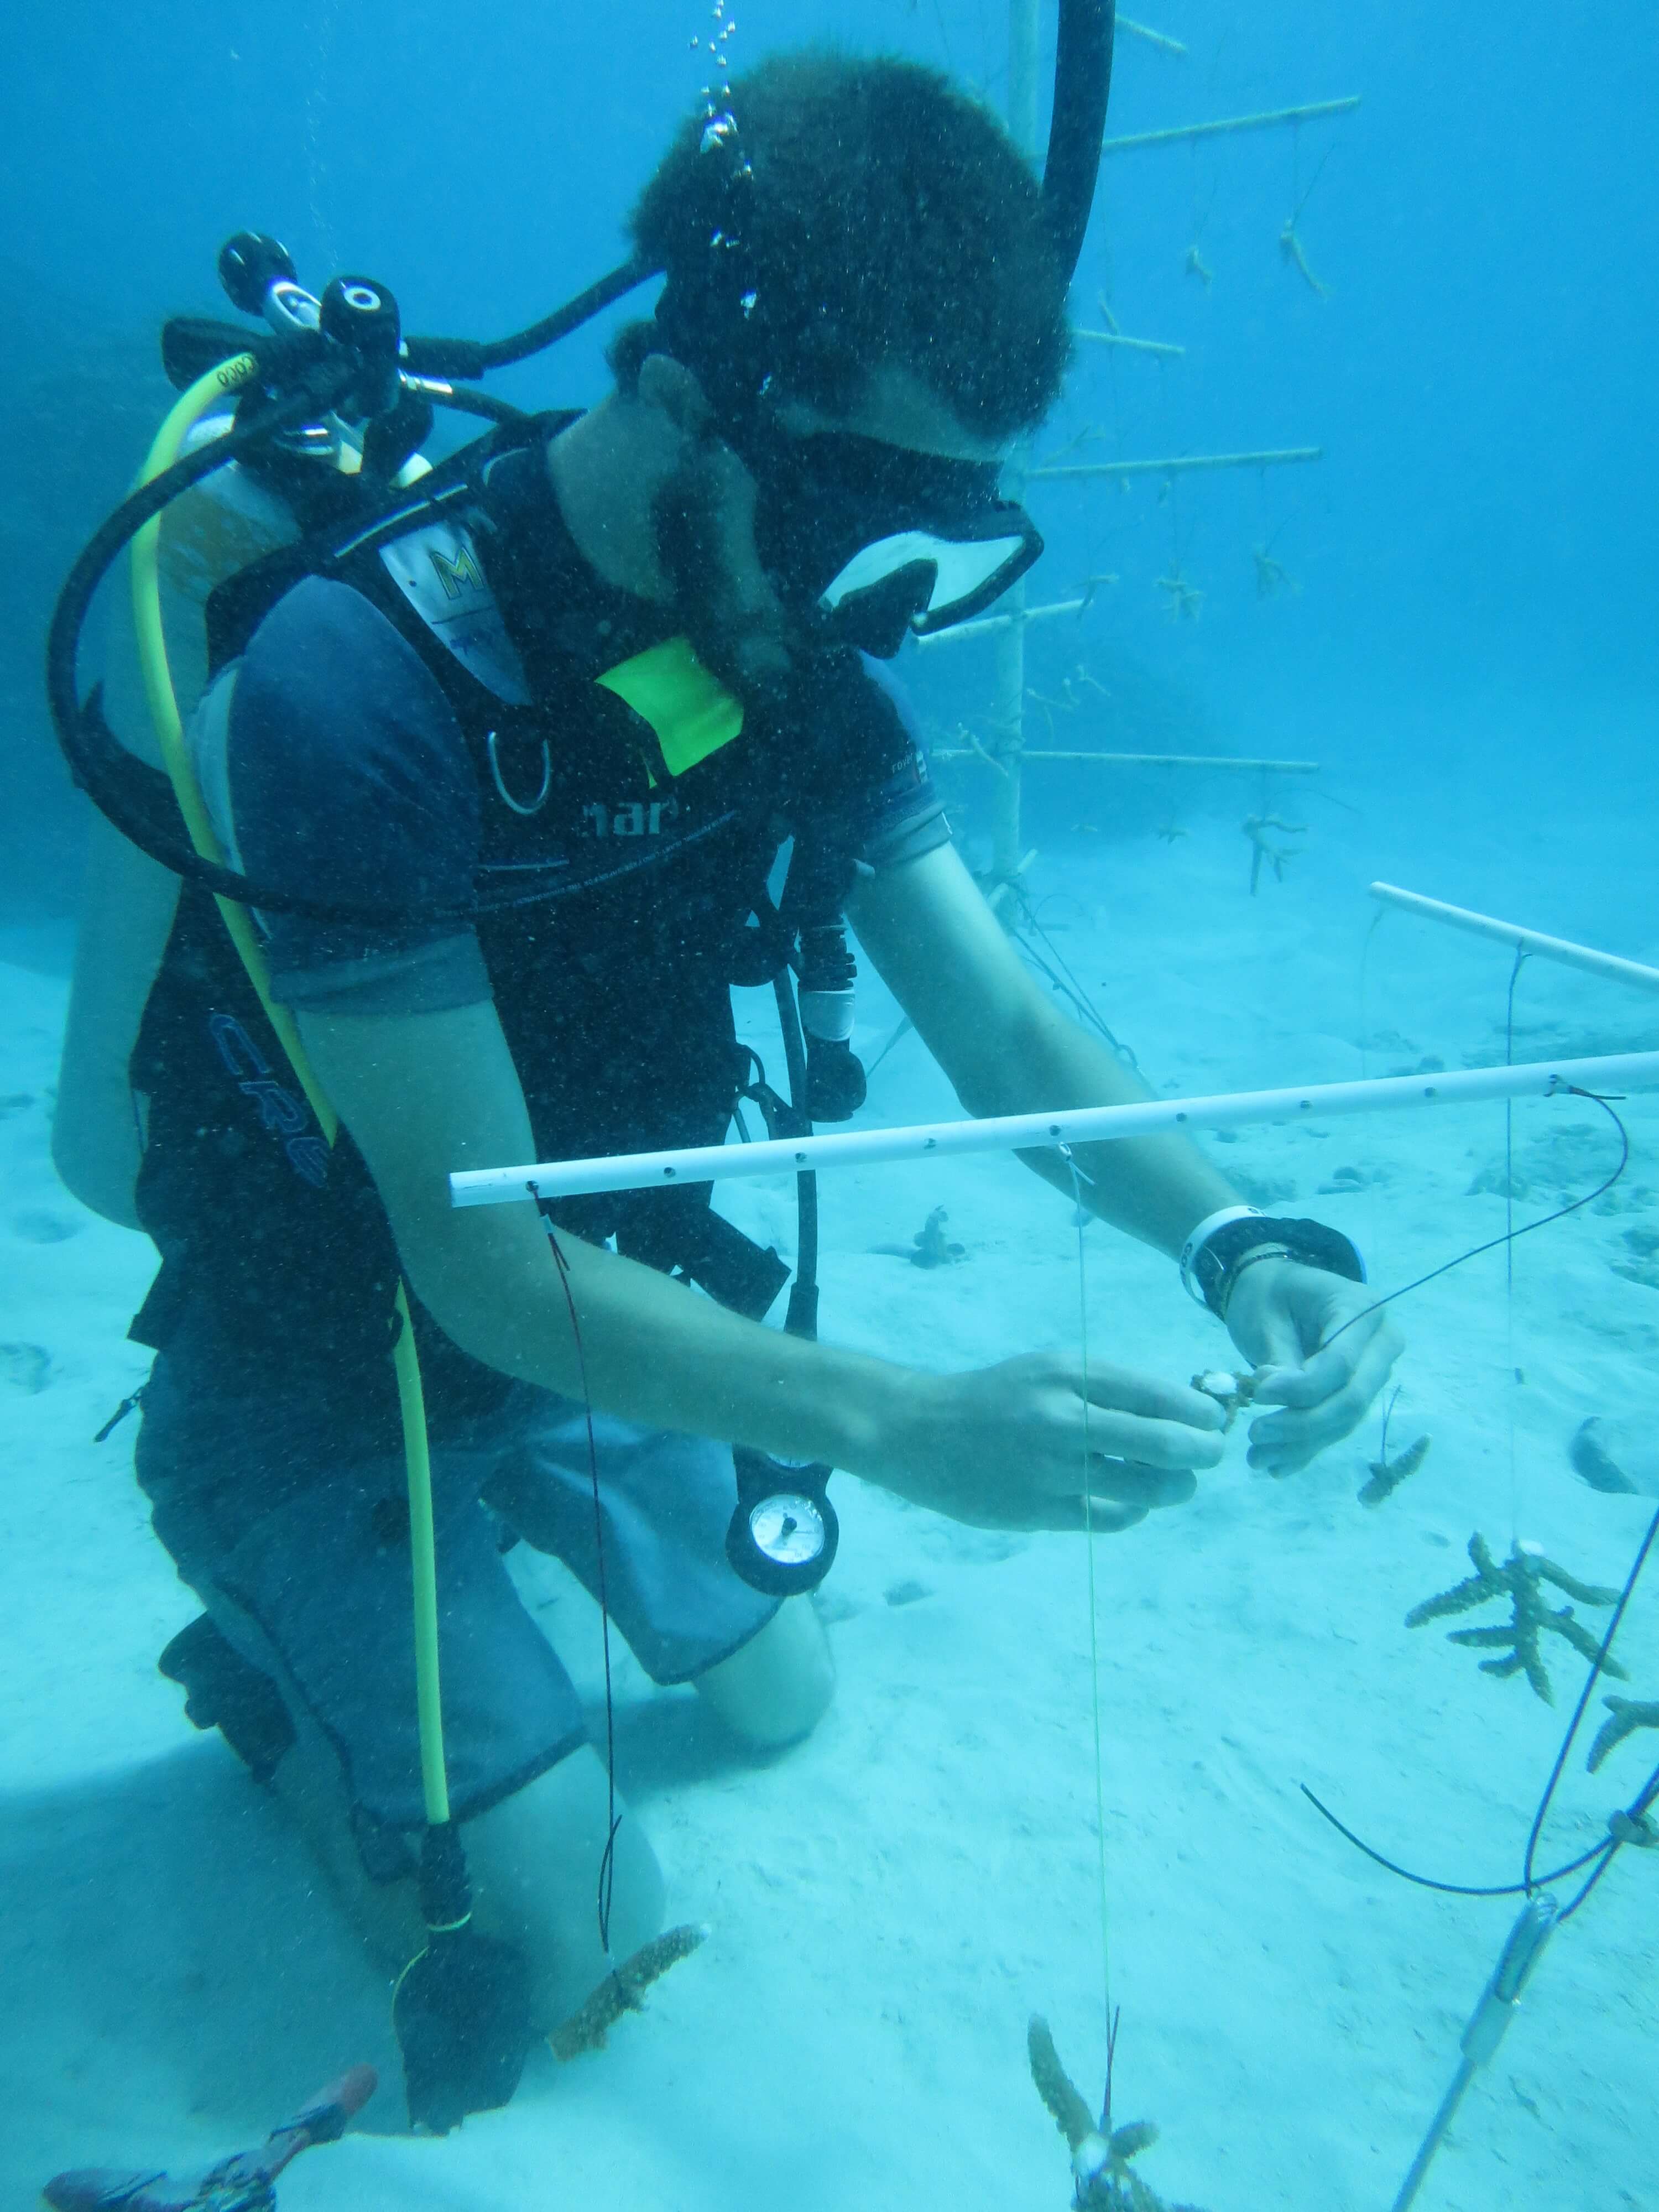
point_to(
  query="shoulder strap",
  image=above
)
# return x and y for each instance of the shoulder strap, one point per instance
(237, 607)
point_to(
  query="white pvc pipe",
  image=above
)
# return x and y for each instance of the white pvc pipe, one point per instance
(1157, 346)
(1524, 940)
(1180, 464)
(1041, 1132)
(1309, 112)
(991, 625)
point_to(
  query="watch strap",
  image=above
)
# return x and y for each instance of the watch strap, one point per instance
(1310, 1243)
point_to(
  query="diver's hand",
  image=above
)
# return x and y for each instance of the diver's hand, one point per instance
(1279, 1315)
(1003, 1447)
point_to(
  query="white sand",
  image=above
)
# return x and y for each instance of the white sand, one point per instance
(891, 1901)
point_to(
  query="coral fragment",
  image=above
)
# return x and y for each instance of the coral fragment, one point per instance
(1629, 1714)
(1104, 2181)
(1387, 1474)
(622, 1991)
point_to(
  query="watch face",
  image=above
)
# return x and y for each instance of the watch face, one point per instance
(787, 1529)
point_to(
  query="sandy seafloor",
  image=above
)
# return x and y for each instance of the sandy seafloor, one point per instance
(889, 1902)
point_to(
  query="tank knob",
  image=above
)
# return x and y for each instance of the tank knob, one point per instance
(361, 315)
(249, 264)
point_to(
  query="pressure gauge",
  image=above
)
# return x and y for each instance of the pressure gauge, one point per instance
(784, 1532)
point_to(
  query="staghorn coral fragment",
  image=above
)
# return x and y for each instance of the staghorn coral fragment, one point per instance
(1103, 2179)
(1055, 2086)
(1271, 576)
(1519, 1580)
(1387, 1474)
(1290, 248)
(1183, 601)
(1274, 855)
(934, 1249)
(930, 1246)
(621, 1991)
(1629, 1714)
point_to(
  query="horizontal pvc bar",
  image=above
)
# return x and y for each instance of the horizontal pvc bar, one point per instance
(989, 625)
(1152, 38)
(1124, 760)
(1132, 345)
(1179, 465)
(1531, 941)
(1041, 1132)
(1264, 121)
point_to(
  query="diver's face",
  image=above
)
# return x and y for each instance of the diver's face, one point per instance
(886, 519)
(753, 538)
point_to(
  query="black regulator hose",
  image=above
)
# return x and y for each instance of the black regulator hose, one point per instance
(471, 358)
(1083, 82)
(135, 798)
(1083, 87)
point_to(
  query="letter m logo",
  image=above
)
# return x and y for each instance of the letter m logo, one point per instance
(459, 575)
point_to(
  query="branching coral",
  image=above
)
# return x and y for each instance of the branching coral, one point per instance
(1255, 826)
(1519, 1580)
(1629, 1714)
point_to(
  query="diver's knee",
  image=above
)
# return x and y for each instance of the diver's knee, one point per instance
(535, 1863)
(779, 1686)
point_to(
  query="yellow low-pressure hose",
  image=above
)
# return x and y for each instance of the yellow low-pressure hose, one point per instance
(422, 1544)
(169, 726)
(229, 377)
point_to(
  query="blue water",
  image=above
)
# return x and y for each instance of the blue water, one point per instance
(1464, 639)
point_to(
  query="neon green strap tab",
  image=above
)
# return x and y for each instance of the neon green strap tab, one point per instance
(691, 712)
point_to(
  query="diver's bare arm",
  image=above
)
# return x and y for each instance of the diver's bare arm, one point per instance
(1008, 1048)
(425, 1094)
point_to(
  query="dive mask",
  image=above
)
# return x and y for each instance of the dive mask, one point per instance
(873, 542)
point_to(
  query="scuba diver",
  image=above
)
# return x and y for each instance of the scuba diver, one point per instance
(507, 759)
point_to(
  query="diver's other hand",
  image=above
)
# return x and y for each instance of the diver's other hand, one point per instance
(1278, 1317)
(1003, 1447)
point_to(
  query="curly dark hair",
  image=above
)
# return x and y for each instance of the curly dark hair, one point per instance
(880, 214)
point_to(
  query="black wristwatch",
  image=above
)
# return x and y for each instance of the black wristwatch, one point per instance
(1220, 1241)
